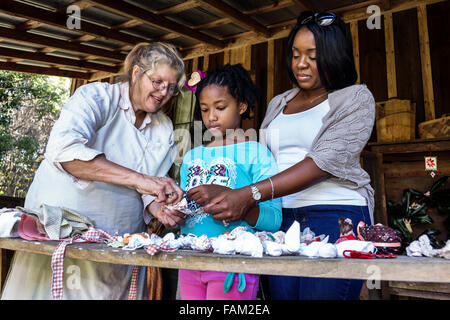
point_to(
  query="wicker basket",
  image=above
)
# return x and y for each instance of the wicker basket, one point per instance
(437, 128)
(395, 120)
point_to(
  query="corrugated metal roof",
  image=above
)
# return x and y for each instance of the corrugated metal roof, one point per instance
(109, 29)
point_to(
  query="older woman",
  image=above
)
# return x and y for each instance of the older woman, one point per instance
(316, 133)
(106, 158)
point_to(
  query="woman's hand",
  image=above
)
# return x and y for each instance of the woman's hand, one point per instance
(169, 218)
(100, 169)
(204, 194)
(223, 203)
(164, 189)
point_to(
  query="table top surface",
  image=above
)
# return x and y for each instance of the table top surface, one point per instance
(402, 268)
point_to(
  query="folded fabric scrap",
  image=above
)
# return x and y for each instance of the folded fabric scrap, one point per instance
(57, 223)
(187, 206)
(9, 222)
(239, 241)
(422, 247)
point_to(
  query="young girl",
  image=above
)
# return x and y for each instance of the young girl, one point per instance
(224, 97)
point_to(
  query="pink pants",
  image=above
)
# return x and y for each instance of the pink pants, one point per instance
(208, 285)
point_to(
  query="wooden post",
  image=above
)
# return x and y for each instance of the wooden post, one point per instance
(425, 58)
(194, 64)
(270, 69)
(390, 55)
(226, 56)
(241, 55)
(355, 41)
(205, 62)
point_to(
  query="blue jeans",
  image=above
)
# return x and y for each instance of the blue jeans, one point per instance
(321, 219)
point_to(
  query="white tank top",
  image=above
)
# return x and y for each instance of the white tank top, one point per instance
(290, 137)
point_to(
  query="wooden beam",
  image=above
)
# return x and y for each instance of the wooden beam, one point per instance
(264, 9)
(100, 75)
(42, 70)
(427, 78)
(395, 6)
(23, 36)
(82, 4)
(390, 55)
(385, 4)
(41, 57)
(355, 41)
(212, 24)
(60, 19)
(270, 70)
(147, 17)
(355, 6)
(304, 5)
(270, 7)
(186, 5)
(236, 16)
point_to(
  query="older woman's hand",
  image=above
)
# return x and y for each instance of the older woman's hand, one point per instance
(168, 217)
(164, 189)
(223, 203)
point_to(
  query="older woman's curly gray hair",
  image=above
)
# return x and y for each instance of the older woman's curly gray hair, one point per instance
(148, 56)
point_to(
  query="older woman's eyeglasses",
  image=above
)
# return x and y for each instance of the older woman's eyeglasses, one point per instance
(323, 19)
(159, 85)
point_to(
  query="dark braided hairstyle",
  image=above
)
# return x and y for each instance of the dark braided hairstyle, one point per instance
(238, 82)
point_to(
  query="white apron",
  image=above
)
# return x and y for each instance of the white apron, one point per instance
(93, 122)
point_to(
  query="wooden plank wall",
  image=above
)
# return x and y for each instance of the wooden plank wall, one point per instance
(392, 61)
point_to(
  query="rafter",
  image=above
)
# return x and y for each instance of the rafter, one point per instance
(147, 17)
(59, 61)
(179, 7)
(236, 16)
(304, 5)
(27, 37)
(270, 7)
(59, 19)
(11, 66)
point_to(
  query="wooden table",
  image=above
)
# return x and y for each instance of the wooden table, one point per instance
(402, 268)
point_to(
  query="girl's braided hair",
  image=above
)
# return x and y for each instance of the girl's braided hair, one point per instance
(238, 82)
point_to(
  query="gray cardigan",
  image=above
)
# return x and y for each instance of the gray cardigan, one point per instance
(345, 131)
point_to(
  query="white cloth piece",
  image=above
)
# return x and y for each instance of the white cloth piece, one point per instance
(248, 244)
(422, 247)
(9, 222)
(292, 238)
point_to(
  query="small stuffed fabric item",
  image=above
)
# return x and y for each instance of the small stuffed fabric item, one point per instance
(384, 238)
(195, 78)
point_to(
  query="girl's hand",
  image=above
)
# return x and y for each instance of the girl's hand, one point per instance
(164, 189)
(169, 218)
(223, 203)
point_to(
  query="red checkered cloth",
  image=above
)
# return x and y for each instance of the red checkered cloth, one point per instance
(132, 293)
(153, 249)
(92, 235)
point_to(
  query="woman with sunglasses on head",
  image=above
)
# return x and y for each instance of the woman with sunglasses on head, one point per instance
(107, 157)
(316, 133)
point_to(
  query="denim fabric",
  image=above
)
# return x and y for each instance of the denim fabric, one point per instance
(322, 219)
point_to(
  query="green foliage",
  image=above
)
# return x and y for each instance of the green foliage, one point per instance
(413, 210)
(29, 105)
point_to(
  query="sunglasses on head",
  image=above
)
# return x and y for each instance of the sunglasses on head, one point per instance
(323, 19)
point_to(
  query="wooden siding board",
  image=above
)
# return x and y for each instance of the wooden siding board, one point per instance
(407, 60)
(439, 30)
(372, 57)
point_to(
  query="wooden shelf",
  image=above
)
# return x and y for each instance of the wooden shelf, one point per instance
(420, 145)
